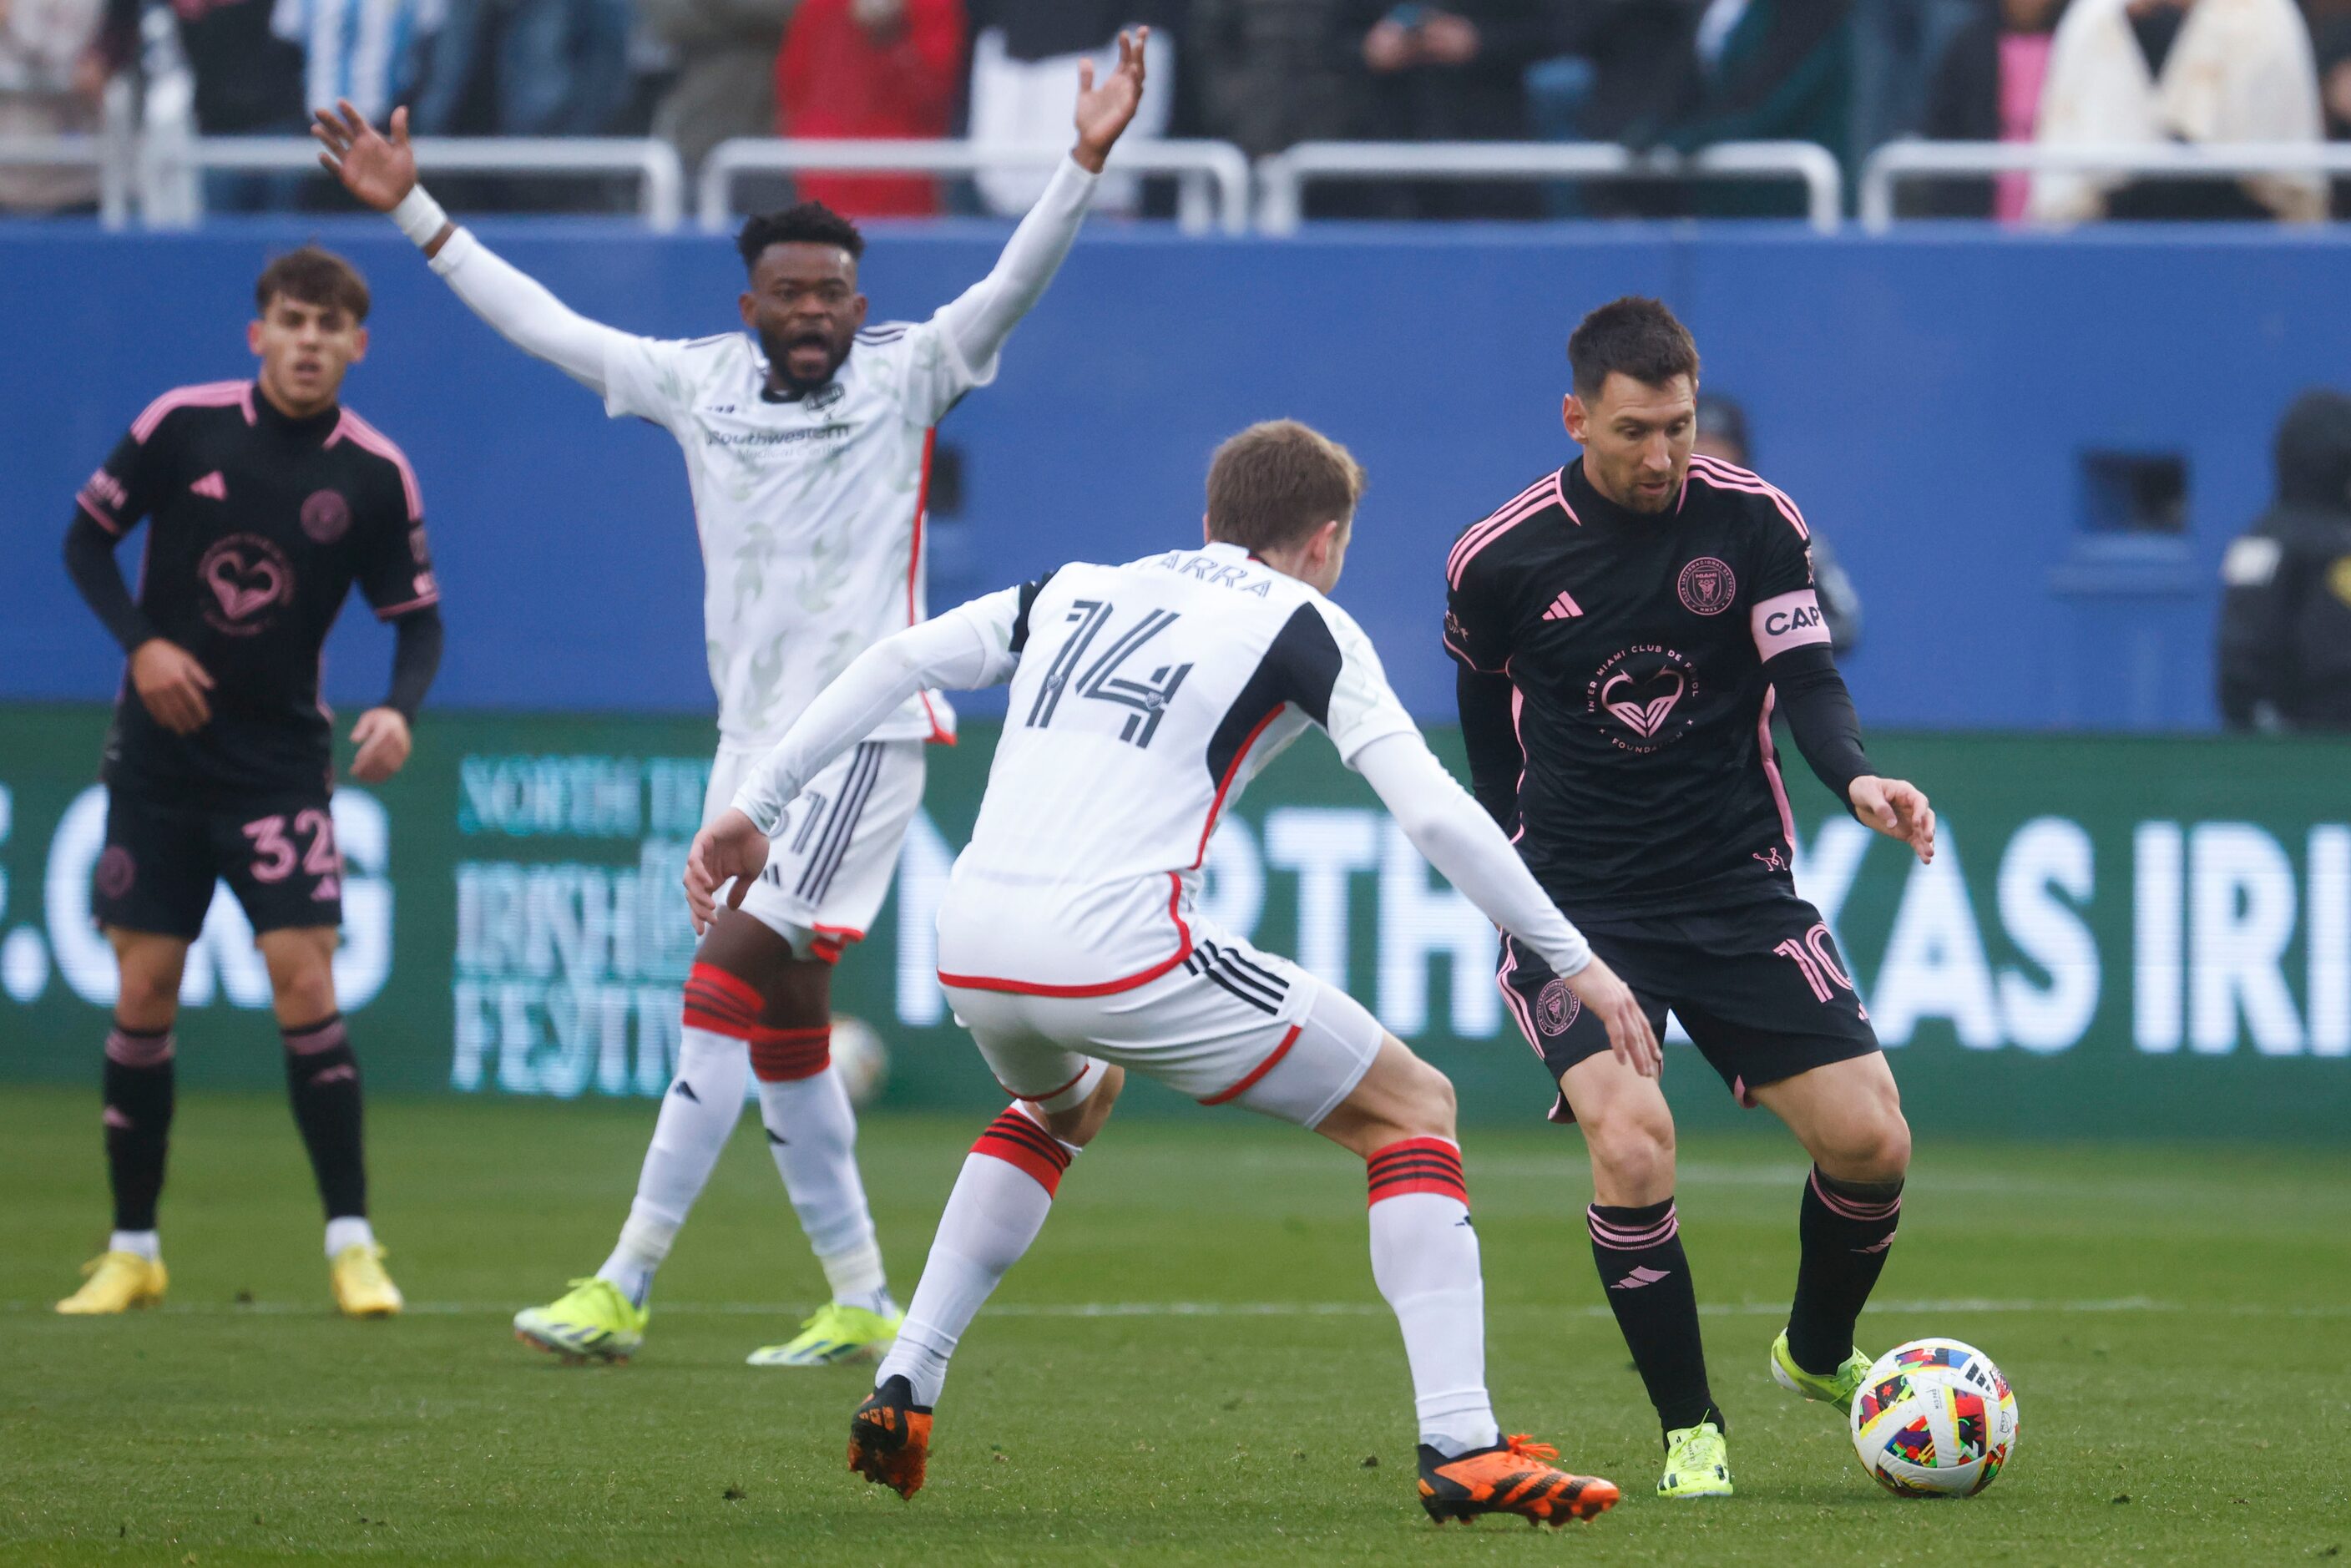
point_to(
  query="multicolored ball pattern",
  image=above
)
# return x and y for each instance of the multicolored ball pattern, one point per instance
(1934, 1418)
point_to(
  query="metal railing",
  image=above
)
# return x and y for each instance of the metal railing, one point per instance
(1201, 168)
(109, 150)
(1899, 162)
(1283, 176)
(170, 196)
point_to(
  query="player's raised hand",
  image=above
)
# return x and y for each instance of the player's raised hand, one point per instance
(381, 735)
(1105, 111)
(1597, 986)
(1897, 809)
(732, 847)
(377, 169)
(172, 684)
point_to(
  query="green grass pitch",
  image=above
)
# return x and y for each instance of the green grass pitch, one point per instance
(1191, 1367)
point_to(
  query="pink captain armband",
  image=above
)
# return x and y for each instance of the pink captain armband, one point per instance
(1790, 620)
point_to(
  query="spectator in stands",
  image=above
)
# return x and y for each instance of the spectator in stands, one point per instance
(372, 52)
(1722, 435)
(1454, 73)
(2158, 72)
(1898, 46)
(2285, 612)
(1988, 90)
(248, 82)
(1024, 83)
(53, 71)
(1274, 72)
(527, 67)
(726, 81)
(1768, 70)
(871, 68)
(2331, 33)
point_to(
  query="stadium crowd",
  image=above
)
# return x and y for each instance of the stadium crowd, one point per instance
(1264, 74)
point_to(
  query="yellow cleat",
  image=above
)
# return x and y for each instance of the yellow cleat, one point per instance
(118, 1282)
(1697, 1463)
(836, 1334)
(361, 1287)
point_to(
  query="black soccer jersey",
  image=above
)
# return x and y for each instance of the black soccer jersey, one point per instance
(258, 527)
(1634, 646)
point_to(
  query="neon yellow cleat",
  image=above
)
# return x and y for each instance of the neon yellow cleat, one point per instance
(1697, 1463)
(835, 1335)
(1835, 1389)
(591, 1321)
(361, 1287)
(117, 1282)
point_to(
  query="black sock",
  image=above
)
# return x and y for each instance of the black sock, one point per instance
(1846, 1228)
(323, 1078)
(138, 1121)
(1647, 1281)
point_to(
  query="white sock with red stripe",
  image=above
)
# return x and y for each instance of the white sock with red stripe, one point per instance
(998, 1205)
(812, 1134)
(704, 1102)
(1424, 1261)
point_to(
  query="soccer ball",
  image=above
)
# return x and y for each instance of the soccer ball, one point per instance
(1934, 1418)
(860, 1058)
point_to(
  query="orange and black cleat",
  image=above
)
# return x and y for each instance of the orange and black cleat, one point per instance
(890, 1438)
(1513, 1477)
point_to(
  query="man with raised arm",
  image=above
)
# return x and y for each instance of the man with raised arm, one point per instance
(806, 439)
(1143, 698)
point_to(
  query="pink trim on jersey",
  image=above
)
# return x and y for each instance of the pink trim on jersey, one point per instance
(1731, 476)
(369, 438)
(1519, 733)
(1788, 621)
(1543, 492)
(209, 395)
(1771, 763)
(101, 518)
(393, 611)
(1559, 494)
(1517, 1003)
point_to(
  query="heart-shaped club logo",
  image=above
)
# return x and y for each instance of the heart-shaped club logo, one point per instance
(246, 575)
(1643, 707)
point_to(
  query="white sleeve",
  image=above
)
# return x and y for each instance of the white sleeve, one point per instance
(1363, 706)
(534, 321)
(1454, 834)
(969, 646)
(971, 328)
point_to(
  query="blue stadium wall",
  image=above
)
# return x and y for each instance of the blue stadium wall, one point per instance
(1931, 400)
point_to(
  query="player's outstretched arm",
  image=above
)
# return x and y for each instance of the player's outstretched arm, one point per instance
(984, 317)
(1454, 834)
(971, 645)
(380, 171)
(1820, 712)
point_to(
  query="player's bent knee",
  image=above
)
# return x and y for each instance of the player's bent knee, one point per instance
(1631, 1154)
(1081, 1123)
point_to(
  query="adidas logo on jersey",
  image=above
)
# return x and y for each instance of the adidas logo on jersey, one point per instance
(213, 486)
(1562, 609)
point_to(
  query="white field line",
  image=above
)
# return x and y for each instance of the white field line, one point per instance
(1954, 1306)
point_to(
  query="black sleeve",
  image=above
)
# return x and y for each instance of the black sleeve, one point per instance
(416, 659)
(2256, 663)
(1492, 740)
(1820, 716)
(1029, 592)
(90, 560)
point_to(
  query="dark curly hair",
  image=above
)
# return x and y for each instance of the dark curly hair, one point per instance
(811, 223)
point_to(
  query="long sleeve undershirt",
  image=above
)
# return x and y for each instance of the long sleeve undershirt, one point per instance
(89, 561)
(415, 659)
(1819, 710)
(967, 648)
(978, 321)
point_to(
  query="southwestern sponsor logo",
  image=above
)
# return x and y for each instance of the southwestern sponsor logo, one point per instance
(819, 433)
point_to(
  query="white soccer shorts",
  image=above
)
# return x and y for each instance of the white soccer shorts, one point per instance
(829, 864)
(1230, 1025)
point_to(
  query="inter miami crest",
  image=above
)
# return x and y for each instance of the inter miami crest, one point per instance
(1707, 586)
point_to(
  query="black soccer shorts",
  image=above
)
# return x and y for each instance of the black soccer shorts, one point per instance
(276, 853)
(1761, 988)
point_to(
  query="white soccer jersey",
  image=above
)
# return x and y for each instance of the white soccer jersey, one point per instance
(1144, 698)
(809, 508)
